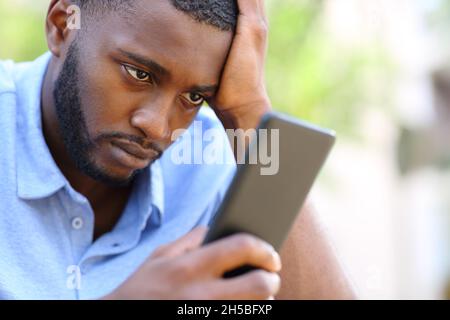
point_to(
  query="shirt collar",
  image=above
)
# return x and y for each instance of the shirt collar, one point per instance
(37, 173)
(157, 187)
(149, 190)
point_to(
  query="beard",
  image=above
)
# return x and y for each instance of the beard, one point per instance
(72, 124)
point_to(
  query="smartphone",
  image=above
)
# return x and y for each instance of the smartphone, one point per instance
(265, 198)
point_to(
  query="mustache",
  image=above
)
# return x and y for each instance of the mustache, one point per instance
(145, 144)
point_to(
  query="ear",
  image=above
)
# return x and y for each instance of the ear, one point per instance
(57, 26)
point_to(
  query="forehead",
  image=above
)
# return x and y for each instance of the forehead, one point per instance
(162, 33)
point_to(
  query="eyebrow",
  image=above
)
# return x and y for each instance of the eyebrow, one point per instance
(158, 69)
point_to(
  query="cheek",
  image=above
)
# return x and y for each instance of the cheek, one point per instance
(106, 104)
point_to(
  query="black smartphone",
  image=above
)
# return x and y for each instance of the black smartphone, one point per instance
(271, 185)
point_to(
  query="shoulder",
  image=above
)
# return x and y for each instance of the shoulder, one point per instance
(203, 148)
(8, 117)
(207, 114)
(17, 76)
(6, 76)
(8, 94)
(199, 166)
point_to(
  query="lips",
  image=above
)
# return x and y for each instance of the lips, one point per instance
(135, 150)
(131, 155)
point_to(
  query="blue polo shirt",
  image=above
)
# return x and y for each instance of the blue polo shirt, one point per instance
(46, 227)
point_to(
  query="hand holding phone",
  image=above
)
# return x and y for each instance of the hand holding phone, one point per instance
(266, 205)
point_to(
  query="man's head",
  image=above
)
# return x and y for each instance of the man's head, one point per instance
(134, 73)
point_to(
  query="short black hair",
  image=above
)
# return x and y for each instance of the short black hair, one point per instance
(222, 14)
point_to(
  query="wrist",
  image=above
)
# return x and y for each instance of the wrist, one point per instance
(246, 116)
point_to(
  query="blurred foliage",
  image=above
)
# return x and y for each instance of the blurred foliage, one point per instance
(311, 76)
(438, 17)
(308, 74)
(22, 25)
(440, 14)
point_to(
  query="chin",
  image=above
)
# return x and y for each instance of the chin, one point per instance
(116, 180)
(109, 173)
(113, 166)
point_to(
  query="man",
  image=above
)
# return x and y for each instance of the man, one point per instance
(92, 204)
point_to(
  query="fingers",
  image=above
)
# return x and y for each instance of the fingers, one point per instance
(254, 9)
(249, 8)
(262, 10)
(235, 251)
(255, 285)
(253, 23)
(186, 243)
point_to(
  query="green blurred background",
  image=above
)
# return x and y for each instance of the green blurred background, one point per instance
(306, 76)
(376, 71)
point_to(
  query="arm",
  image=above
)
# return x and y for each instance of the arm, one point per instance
(310, 267)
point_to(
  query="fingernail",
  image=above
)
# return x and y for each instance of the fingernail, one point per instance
(276, 282)
(277, 259)
(275, 256)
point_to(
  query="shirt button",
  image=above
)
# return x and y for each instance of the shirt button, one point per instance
(77, 223)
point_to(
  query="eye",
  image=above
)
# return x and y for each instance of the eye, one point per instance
(194, 98)
(138, 74)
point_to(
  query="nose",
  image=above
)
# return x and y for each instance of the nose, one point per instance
(153, 120)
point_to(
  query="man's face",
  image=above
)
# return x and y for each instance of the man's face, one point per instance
(127, 85)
